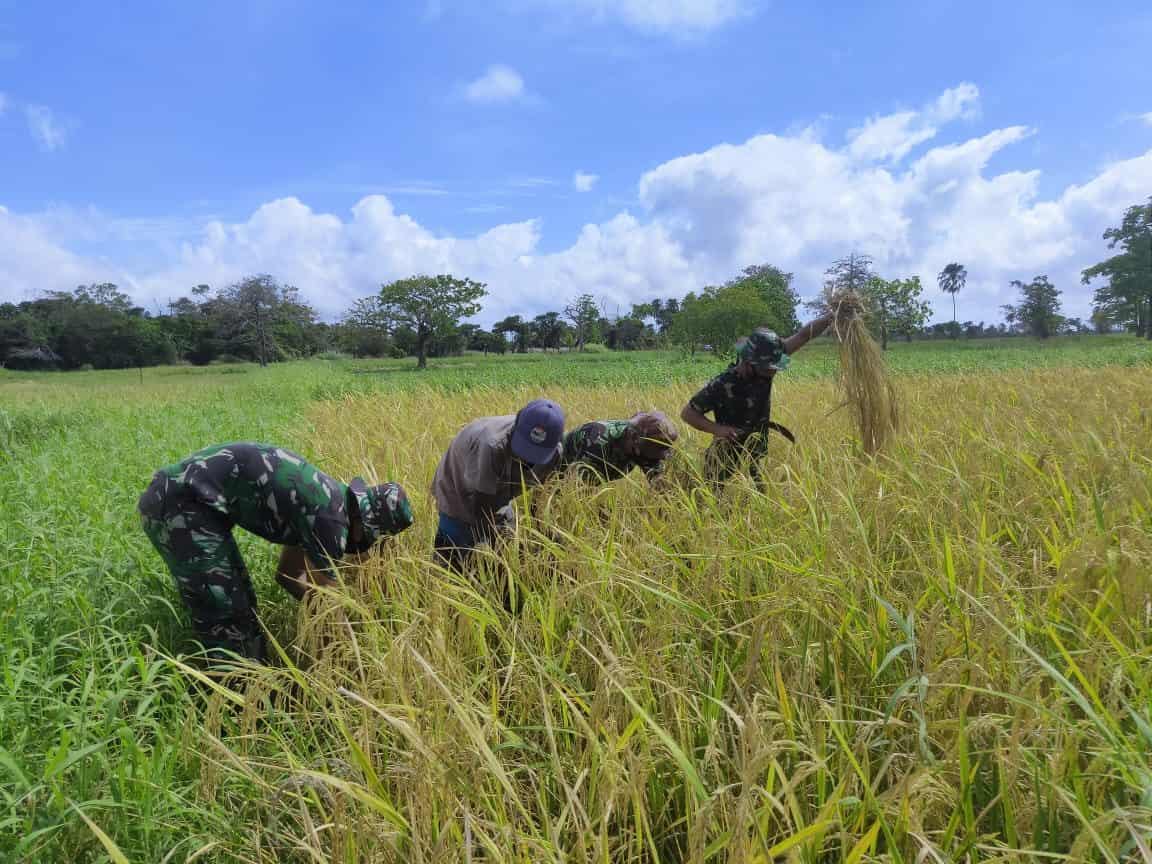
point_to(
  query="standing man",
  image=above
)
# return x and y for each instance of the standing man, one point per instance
(490, 462)
(191, 507)
(609, 449)
(740, 399)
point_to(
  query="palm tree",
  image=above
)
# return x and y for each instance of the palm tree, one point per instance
(951, 280)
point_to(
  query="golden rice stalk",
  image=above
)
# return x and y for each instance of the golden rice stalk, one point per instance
(863, 376)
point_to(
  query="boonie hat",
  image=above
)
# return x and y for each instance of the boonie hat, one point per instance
(764, 350)
(384, 509)
(537, 432)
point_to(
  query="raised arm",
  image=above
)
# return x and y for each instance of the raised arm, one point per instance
(809, 331)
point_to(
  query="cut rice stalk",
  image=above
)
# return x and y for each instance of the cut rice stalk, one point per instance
(863, 376)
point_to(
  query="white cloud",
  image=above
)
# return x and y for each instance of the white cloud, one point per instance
(1147, 118)
(791, 200)
(666, 17)
(891, 137)
(498, 85)
(584, 181)
(44, 126)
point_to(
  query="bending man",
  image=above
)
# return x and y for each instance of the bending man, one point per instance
(490, 462)
(191, 507)
(609, 449)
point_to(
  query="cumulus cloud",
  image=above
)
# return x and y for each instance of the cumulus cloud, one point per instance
(893, 136)
(45, 128)
(498, 85)
(795, 200)
(584, 181)
(665, 17)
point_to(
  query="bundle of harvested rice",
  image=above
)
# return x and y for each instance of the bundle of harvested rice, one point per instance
(863, 376)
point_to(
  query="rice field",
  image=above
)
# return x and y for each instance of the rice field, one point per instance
(938, 654)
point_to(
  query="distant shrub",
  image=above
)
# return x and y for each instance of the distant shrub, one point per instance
(596, 348)
(333, 355)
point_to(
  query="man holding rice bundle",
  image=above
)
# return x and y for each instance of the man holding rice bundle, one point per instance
(740, 399)
(609, 449)
(191, 507)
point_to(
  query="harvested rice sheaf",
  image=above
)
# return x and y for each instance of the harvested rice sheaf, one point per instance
(863, 377)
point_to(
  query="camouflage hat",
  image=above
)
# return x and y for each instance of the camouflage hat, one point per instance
(764, 350)
(384, 509)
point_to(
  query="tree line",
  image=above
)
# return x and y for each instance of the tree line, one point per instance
(262, 320)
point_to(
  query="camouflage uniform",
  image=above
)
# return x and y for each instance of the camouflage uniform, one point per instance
(745, 403)
(598, 449)
(190, 509)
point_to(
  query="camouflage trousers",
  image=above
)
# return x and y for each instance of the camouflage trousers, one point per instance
(723, 459)
(196, 543)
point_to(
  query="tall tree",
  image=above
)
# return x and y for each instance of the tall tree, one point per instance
(775, 287)
(951, 280)
(430, 305)
(584, 315)
(518, 328)
(1038, 311)
(249, 310)
(895, 306)
(1127, 295)
(367, 328)
(548, 330)
(849, 274)
(719, 316)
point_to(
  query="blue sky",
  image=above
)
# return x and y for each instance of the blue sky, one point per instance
(338, 145)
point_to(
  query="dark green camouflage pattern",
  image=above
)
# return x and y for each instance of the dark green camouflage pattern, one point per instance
(764, 349)
(600, 449)
(191, 507)
(197, 545)
(383, 510)
(746, 404)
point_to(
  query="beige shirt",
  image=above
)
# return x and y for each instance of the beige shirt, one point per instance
(477, 473)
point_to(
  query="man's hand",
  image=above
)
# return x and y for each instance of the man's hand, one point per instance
(504, 520)
(728, 433)
(698, 421)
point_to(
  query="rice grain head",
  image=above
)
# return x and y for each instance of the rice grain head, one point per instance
(863, 375)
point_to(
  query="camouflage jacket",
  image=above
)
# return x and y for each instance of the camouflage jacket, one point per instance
(270, 491)
(736, 401)
(599, 447)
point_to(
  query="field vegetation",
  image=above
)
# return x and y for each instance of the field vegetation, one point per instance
(938, 654)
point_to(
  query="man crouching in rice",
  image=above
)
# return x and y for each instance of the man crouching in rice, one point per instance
(740, 398)
(610, 449)
(191, 507)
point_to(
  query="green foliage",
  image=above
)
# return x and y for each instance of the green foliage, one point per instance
(1038, 312)
(547, 331)
(719, 316)
(430, 306)
(775, 288)
(1126, 297)
(584, 316)
(761, 296)
(941, 654)
(894, 306)
(951, 281)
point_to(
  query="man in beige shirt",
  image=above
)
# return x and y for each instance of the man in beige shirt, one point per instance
(489, 462)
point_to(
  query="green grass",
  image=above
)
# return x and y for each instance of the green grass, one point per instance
(939, 656)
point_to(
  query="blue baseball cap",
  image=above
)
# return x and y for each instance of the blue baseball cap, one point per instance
(537, 432)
